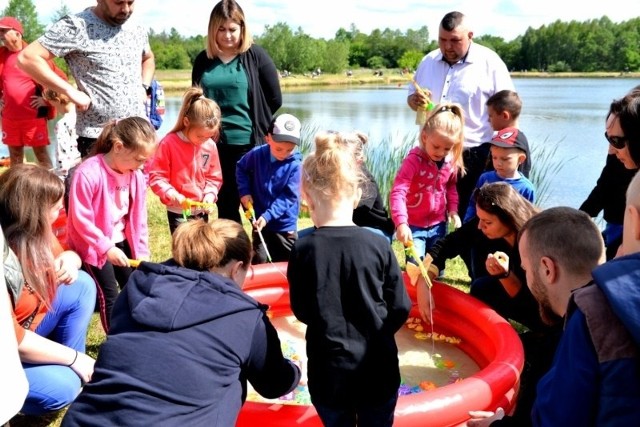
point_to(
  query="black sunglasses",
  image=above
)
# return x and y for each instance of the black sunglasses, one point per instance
(618, 142)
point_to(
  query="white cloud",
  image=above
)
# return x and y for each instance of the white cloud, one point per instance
(322, 18)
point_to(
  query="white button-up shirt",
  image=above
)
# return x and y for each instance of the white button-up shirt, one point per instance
(469, 82)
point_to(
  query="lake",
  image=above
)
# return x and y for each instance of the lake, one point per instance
(568, 114)
(565, 113)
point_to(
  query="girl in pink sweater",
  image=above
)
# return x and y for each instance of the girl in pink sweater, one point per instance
(107, 218)
(424, 195)
(186, 165)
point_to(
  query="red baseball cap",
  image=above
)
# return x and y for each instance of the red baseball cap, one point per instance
(9, 22)
(511, 138)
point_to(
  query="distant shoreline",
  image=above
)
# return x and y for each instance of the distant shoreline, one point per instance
(175, 82)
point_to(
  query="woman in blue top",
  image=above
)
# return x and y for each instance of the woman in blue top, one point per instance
(243, 80)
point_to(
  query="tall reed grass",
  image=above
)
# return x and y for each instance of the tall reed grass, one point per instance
(546, 164)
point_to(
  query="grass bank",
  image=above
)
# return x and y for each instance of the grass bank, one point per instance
(177, 81)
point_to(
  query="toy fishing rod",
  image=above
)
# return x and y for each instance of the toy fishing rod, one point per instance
(187, 204)
(250, 213)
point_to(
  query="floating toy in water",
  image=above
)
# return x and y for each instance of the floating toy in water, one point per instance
(454, 377)
(443, 363)
(415, 323)
(428, 385)
(404, 390)
(437, 337)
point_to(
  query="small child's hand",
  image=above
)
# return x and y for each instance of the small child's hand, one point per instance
(455, 219)
(424, 299)
(117, 257)
(403, 233)
(303, 371)
(38, 101)
(209, 199)
(260, 223)
(177, 198)
(246, 200)
(484, 418)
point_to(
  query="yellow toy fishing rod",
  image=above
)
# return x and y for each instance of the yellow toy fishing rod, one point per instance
(250, 213)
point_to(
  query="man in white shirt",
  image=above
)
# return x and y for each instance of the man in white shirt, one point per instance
(466, 73)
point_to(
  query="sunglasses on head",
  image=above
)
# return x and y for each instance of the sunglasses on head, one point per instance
(617, 142)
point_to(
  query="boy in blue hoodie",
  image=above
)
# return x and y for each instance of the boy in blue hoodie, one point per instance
(268, 179)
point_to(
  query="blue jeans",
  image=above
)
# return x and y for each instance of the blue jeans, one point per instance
(362, 416)
(424, 238)
(52, 387)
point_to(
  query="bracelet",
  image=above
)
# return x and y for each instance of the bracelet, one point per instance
(74, 360)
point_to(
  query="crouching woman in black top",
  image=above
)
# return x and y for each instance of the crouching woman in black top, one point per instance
(497, 278)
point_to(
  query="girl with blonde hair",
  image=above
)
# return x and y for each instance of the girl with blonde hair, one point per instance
(347, 287)
(424, 196)
(186, 163)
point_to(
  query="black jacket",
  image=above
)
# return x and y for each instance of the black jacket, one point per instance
(609, 194)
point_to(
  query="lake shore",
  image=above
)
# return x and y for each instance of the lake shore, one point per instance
(177, 81)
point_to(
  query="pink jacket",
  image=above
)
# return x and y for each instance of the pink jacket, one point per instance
(90, 225)
(422, 194)
(182, 167)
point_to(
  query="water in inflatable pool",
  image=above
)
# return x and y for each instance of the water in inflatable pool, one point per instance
(424, 363)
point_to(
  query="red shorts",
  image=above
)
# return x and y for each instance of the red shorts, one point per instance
(25, 133)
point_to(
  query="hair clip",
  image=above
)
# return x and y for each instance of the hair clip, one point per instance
(211, 121)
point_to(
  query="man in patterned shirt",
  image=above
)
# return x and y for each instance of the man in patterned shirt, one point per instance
(110, 59)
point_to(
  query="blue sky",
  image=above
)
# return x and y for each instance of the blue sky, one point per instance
(322, 18)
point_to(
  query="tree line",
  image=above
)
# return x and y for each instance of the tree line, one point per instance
(592, 45)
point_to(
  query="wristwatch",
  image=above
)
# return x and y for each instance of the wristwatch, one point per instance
(147, 88)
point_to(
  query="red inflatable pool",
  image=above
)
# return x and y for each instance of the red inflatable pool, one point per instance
(486, 337)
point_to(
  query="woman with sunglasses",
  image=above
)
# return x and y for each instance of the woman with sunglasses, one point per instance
(623, 128)
(623, 158)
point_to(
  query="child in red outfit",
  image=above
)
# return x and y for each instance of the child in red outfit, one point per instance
(186, 164)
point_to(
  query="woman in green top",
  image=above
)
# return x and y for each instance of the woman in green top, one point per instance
(241, 77)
